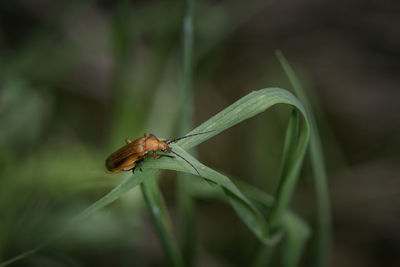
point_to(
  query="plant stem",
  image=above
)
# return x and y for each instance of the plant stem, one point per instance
(159, 214)
(185, 200)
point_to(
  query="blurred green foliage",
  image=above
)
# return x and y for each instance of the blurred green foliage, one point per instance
(77, 77)
(73, 86)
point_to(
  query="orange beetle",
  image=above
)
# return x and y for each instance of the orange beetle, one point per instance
(127, 157)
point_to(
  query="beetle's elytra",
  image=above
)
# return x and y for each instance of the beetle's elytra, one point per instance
(134, 152)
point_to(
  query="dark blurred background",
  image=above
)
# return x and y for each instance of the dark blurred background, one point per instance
(78, 77)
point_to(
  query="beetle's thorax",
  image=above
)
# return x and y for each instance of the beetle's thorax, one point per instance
(151, 143)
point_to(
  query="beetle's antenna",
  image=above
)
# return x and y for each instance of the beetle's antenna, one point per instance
(187, 162)
(190, 135)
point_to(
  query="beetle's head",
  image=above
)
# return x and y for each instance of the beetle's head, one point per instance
(164, 147)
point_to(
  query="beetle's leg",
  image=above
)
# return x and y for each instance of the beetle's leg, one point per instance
(128, 141)
(154, 155)
(133, 169)
(140, 166)
(168, 156)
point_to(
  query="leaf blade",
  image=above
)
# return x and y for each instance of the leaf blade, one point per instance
(323, 229)
(246, 107)
(159, 214)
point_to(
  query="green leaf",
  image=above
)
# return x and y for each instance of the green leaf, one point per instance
(159, 213)
(185, 202)
(323, 229)
(113, 195)
(295, 230)
(296, 235)
(247, 107)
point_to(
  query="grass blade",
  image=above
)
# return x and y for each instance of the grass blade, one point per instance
(295, 229)
(297, 234)
(159, 214)
(323, 229)
(290, 169)
(265, 252)
(113, 195)
(246, 107)
(184, 198)
(240, 203)
(290, 144)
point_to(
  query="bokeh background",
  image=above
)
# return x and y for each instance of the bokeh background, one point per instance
(78, 77)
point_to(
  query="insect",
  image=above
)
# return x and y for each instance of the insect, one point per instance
(135, 152)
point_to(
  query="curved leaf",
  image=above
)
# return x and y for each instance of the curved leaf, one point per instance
(246, 107)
